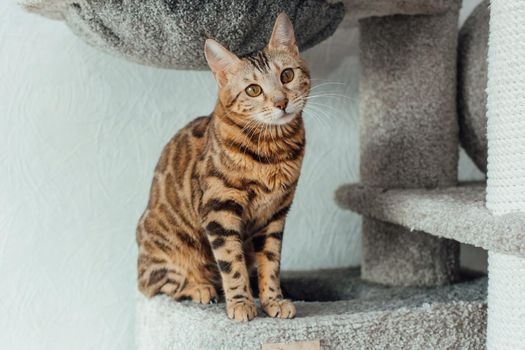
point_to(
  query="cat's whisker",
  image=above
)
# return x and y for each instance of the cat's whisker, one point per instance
(256, 125)
(270, 128)
(251, 126)
(258, 146)
(325, 84)
(316, 118)
(321, 114)
(326, 80)
(271, 134)
(320, 107)
(330, 95)
(310, 103)
(316, 114)
(266, 153)
(265, 114)
(236, 138)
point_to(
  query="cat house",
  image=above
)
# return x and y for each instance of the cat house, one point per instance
(420, 96)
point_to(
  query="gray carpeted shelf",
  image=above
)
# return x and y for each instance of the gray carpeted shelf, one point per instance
(457, 213)
(341, 310)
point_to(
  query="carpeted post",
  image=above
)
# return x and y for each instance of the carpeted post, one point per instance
(506, 167)
(409, 137)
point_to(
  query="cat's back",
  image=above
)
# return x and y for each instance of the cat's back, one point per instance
(174, 174)
(172, 184)
(183, 148)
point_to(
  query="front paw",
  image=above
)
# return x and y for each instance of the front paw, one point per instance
(241, 311)
(283, 308)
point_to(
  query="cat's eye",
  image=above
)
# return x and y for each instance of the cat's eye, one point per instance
(253, 90)
(287, 75)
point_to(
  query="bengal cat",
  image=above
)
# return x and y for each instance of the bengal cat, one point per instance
(224, 184)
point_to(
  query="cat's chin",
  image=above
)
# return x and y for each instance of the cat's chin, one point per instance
(285, 118)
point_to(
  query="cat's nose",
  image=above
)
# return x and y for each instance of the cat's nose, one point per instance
(281, 104)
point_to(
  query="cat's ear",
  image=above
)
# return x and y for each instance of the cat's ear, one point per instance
(283, 35)
(219, 59)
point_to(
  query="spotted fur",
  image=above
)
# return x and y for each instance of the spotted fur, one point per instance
(225, 183)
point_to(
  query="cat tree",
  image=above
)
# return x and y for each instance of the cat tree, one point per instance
(410, 292)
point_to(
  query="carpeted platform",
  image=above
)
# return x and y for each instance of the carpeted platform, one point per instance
(348, 314)
(457, 213)
(171, 34)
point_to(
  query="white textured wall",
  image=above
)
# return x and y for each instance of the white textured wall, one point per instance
(80, 133)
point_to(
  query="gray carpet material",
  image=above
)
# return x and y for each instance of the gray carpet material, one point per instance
(367, 316)
(359, 9)
(171, 34)
(424, 261)
(409, 137)
(457, 213)
(472, 84)
(409, 130)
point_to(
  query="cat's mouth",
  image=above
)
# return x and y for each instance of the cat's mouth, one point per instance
(283, 118)
(280, 117)
(277, 117)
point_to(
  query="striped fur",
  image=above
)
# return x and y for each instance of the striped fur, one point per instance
(221, 192)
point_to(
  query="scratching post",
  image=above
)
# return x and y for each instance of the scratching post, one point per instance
(409, 137)
(506, 301)
(506, 167)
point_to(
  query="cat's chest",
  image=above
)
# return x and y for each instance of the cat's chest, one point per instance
(277, 178)
(273, 186)
(263, 205)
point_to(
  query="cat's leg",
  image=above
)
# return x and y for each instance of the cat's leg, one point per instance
(204, 293)
(172, 262)
(199, 286)
(160, 275)
(157, 275)
(222, 213)
(267, 247)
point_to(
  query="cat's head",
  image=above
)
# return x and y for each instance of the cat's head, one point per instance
(269, 86)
